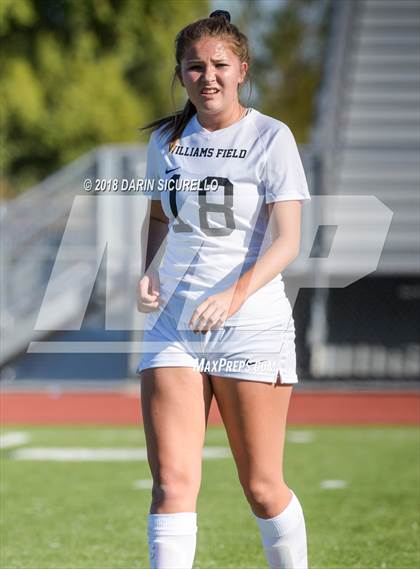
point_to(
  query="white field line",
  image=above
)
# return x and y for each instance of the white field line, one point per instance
(300, 437)
(100, 454)
(145, 484)
(333, 484)
(14, 439)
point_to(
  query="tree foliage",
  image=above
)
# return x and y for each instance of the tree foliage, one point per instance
(288, 68)
(78, 73)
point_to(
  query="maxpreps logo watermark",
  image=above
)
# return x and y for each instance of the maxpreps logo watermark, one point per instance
(222, 364)
(117, 222)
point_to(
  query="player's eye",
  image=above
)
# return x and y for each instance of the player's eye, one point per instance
(217, 65)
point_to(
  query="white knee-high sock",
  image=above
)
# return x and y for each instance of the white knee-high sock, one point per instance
(172, 540)
(284, 537)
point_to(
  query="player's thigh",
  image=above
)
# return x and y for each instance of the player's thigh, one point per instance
(175, 406)
(254, 414)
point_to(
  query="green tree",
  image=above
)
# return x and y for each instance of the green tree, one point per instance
(287, 67)
(78, 73)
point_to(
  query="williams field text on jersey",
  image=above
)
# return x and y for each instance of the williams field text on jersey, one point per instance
(200, 152)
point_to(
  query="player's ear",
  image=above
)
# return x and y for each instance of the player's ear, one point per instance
(243, 71)
(179, 74)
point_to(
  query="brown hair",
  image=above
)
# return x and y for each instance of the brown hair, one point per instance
(216, 25)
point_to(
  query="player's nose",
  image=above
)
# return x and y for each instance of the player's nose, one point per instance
(208, 75)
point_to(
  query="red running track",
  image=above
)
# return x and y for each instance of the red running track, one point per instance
(123, 408)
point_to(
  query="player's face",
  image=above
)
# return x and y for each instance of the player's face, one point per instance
(211, 73)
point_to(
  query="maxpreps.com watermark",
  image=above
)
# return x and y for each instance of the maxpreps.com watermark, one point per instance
(136, 185)
(222, 364)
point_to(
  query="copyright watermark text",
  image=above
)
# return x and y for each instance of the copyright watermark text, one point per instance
(135, 185)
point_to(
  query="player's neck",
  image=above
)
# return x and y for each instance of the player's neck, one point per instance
(223, 119)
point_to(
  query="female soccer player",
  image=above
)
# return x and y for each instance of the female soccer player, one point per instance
(228, 186)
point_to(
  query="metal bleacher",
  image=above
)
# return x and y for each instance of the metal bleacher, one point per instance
(368, 131)
(367, 139)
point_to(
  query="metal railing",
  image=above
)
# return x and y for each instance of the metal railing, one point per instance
(32, 227)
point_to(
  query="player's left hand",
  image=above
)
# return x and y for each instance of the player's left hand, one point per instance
(212, 312)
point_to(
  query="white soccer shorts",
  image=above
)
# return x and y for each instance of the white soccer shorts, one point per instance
(236, 352)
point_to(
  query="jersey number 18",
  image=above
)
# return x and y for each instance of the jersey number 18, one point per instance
(205, 207)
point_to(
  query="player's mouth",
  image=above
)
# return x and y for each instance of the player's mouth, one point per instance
(209, 92)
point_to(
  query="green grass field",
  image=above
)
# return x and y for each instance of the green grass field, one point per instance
(80, 515)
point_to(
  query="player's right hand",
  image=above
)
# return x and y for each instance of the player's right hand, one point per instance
(148, 292)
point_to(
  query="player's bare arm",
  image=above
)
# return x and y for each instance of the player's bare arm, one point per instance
(148, 286)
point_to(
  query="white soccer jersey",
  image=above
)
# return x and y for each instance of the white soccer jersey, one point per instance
(214, 187)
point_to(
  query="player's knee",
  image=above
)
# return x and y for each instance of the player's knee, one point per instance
(174, 486)
(262, 494)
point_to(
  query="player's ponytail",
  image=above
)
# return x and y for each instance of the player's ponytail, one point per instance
(216, 25)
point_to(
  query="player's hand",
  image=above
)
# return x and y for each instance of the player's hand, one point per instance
(212, 312)
(148, 292)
